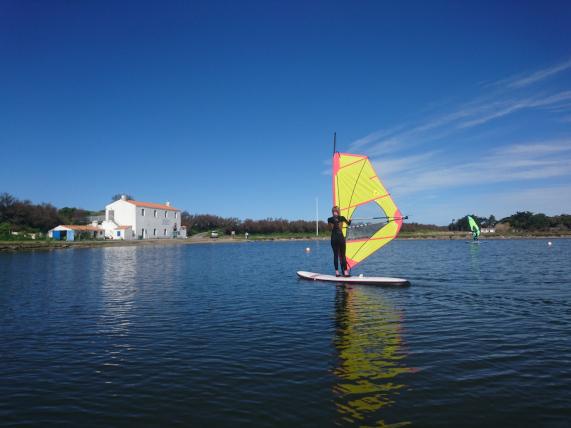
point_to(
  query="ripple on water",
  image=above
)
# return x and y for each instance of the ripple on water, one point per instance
(226, 335)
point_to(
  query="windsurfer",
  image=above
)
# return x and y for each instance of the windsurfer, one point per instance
(338, 240)
(474, 228)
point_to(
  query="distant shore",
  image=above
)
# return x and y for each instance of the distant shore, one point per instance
(17, 246)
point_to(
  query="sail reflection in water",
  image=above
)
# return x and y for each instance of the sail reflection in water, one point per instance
(371, 357)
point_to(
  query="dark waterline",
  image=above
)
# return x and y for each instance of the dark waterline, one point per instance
(226, 335)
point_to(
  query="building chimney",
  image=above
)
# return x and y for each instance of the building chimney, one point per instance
(167, 203)
(123, 197)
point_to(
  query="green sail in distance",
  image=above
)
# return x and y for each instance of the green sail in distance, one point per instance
(473, 226)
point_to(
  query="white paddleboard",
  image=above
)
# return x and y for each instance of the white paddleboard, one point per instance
(370, 280)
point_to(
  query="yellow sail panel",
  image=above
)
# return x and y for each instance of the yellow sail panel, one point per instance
(355, 183)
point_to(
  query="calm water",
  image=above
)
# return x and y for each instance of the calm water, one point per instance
(225, 335)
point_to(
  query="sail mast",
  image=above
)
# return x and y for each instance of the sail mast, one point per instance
(334, 142)
(317, 217)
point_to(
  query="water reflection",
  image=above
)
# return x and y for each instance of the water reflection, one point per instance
(371, 357)
(475, 258)
(120, 283)
(119, 279)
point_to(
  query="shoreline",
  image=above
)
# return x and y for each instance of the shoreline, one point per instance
(20, 246)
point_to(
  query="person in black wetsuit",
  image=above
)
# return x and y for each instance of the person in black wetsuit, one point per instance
(338, 240)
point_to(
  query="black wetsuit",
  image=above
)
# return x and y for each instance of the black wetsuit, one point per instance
(338, 241)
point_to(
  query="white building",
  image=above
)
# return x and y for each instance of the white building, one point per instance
(129, 219)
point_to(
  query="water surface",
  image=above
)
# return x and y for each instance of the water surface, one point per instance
(225, 335)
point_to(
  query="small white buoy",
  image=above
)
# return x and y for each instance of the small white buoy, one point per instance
(360, 275)
(308, 250)
(549, 243)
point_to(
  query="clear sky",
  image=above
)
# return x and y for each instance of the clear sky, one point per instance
(229, 107)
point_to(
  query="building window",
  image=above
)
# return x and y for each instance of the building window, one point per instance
(143, 212)
(166, 214)
(165, 232)
(154, 232)
(175, 215)
(155, 214)
(118, 233)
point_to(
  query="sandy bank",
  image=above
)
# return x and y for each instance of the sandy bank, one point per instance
(16, 246)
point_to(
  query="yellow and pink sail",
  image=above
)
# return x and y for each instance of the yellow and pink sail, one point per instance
(355, 184)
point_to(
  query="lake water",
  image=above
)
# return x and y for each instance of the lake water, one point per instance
(225, 335)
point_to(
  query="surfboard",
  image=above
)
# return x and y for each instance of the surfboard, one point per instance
(369, 280)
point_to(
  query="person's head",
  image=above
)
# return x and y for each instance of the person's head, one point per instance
(335, 210)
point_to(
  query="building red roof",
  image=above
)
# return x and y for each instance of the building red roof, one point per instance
(152, 205)
(81, 228)
(123, 227)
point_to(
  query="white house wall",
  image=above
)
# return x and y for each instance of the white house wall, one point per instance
(149, 222)
(128, 214)
(123, 234)
(124, 213)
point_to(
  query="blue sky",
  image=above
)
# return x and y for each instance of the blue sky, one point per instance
(230, 107)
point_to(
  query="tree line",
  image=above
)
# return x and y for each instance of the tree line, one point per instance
(196, 223)
(520, 221)
(419, 227)
(528, 221)
(24, 216)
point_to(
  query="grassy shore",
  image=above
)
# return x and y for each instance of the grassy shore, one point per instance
(287, 236)
(467, 235)
(28, 245)
(32, 245)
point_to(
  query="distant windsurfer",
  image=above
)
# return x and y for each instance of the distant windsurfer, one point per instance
(474, 228)
(338, 240)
